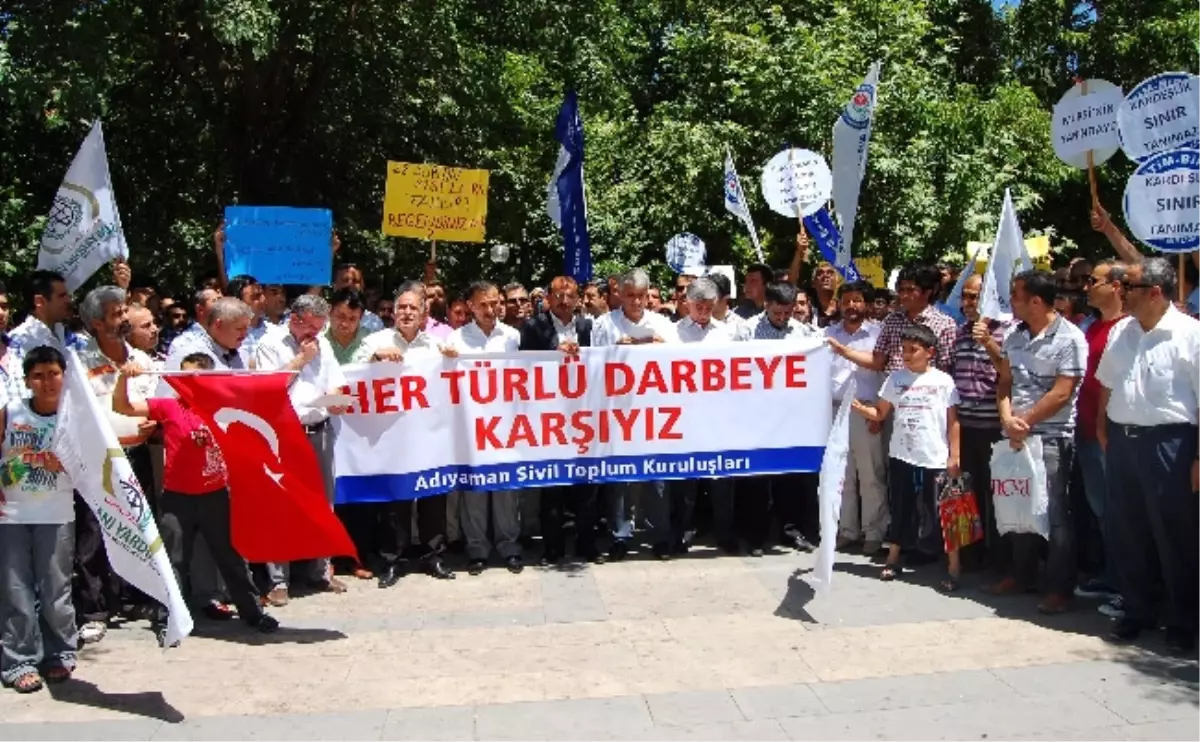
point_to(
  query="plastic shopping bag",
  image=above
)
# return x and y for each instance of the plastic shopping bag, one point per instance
(1019, 495)
(958, 512)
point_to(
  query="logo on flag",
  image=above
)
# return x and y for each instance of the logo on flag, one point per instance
(857, 113)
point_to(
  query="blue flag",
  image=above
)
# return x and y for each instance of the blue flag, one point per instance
(822, 229)
(565, 198)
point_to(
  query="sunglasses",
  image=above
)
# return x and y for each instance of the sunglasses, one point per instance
(1133, 286)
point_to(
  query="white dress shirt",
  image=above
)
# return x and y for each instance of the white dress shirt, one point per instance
(1153, 375)
(377, 341)
(611, 327)
(866, 383)
(320, 376)
(471, 339)
(716, 331)
(564, 330)
(199, 341)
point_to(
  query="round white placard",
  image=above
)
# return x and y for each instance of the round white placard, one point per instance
(1083, 122)
(796, 182)
(1162, 201)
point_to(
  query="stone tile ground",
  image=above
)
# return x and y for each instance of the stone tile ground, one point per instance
(699, 648)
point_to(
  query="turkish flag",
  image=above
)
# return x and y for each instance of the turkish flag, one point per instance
(279, 510)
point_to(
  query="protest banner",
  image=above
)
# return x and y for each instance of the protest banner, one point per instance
(433, 202)
(88, 449)
(1161, 114)
(685, 252)
(1162, 201)
(870, 268)
(1083, 128)
(279, 244)
(83, 231)
(614, 414)
(796, 183)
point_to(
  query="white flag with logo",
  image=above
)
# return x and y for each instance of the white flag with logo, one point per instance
(851, 135)
(735, 202)
(90, 453)
(829, 492)
(1009, 257)
(84, 229)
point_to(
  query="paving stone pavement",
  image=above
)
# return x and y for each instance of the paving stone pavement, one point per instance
(703, 647)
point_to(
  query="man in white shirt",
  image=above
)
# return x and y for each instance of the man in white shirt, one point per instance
(203, 301)
(304, 350)
(486, 334)
(1150, 374)
(701, 326)
(721, 309)
(49, 305)
(866, 466)
(411, 308)
(249, 290)
(632, 324)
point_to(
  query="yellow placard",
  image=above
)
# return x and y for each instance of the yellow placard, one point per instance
(433, 202)
(871, 269)
(1037, 247)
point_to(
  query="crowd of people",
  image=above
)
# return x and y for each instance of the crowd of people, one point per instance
(1099, 363)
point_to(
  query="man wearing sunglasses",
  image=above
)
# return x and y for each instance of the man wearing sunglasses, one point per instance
(1147, 424)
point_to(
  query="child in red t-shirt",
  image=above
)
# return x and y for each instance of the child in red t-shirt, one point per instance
(194, 499)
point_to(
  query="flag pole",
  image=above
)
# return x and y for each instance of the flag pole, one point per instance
(1179, 278)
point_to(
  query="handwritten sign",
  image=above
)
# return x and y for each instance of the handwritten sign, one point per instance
(796, 182)
(433, 202)
(685, 252)
(1085, 123)
(1161, 114)
(870, 268)
(1162, 201)
(279, 244)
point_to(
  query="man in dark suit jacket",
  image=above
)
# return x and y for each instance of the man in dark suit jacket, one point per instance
(560, 328)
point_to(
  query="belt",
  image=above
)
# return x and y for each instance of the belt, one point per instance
(316, 427)
(1137, 431)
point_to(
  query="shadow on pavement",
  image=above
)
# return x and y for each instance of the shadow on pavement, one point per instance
(150, 704)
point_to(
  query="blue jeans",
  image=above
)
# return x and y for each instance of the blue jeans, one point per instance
(35, 570)
(1095, 481)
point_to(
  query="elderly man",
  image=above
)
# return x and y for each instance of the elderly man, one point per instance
(485, 334)
(701, 326)
(202, 300)
(1148, 425)
(1039, 367)
(304, 350)
(560, 329)
(794, 494)
(633, 324)
(396, 541)
(864, 494)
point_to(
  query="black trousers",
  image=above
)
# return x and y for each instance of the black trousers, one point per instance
(976, 458)
(96, 591)
(912, 508)
(794, 497)
(396, 539)
(1151, 521)
(185, 516)
(364, 524)
(554, 502)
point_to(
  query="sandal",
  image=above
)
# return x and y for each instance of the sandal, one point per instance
(57, 674)
(891, 572)
(949, 584)
(30, 682)
(217, 611)
(364, 574)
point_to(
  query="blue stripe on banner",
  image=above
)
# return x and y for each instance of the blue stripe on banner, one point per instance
(556, 472)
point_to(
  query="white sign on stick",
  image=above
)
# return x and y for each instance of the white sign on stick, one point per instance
(796, 182)
(1086, 122)
(1161, 114)
(686, 252)
(1162, 201)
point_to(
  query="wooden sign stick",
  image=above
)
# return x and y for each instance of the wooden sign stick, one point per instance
(799, 212)
(1091, 166)
(1179, 278)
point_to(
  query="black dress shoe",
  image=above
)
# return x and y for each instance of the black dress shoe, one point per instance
(594, 558)
(549, 558)
(515, 564)
(476, 566)
(1125, 630)
(618, 551)
(662, 552)
(390, 576)
(435, 567)
(1180, 640)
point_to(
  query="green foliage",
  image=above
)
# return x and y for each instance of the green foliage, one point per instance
(261, 101)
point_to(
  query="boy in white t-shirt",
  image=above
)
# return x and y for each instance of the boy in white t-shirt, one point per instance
(924, 446)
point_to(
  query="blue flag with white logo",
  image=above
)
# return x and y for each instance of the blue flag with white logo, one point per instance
(820, 225)
(565, 198)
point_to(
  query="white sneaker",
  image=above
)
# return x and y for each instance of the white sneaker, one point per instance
(1114, 608)
(92, 632)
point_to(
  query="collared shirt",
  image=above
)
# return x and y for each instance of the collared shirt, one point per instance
(321, 375)
(565, 331)
(439, 330)
(470, 338)
(377, 341)
(190, 342)
(103, 373)
(747, 310)
(889, 345)
(1153, 375)
(975, 376)
(349, 352)
(690, 331)
(33, 333)
(866, 382)
(1037, 362)
(192, 333)
(611, 327)
(371, 321)
(760, 328)
(254, 337)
